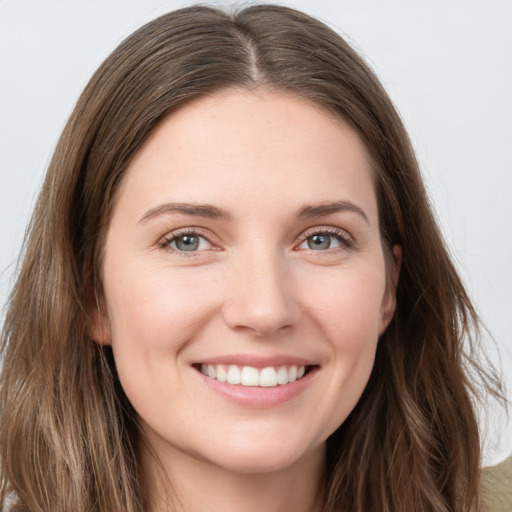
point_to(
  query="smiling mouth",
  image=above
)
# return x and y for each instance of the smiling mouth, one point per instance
(271, 376)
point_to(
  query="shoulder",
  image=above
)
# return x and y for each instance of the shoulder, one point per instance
(497, 487)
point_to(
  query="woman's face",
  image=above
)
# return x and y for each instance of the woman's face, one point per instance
(244, 244)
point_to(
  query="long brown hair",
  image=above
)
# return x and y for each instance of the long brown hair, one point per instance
(68, 435)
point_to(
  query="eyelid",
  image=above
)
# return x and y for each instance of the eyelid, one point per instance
(344, 236)
(164, 241)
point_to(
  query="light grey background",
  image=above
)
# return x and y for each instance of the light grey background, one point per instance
(446, 63)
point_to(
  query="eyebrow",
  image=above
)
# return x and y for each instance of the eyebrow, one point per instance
(306, 211)
(309, 211)
(197, 210)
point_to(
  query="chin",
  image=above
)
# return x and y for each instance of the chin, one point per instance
(261, 455)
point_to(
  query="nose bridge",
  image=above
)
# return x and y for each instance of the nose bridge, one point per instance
(260, 296)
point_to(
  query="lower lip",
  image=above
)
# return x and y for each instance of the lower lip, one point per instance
(256, 396)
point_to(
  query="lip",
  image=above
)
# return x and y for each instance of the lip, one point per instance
(257, 361)
(256, 397)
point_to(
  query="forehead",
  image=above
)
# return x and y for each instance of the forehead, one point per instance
(250, 144)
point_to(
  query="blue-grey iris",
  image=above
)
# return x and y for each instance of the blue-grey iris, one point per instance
(319, 242)
(187, 242)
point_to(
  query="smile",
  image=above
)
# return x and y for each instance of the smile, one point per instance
(254, 377)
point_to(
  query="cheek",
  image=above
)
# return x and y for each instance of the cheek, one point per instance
(157, 309)
(346, 309)
(346, 303)
(152, 318)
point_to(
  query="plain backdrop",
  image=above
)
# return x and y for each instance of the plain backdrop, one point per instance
(446, 64)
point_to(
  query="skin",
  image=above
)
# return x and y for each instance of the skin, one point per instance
(254, 287)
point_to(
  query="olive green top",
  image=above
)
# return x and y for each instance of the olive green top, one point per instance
(497, 487)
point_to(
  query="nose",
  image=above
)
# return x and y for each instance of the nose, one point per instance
(260, 298)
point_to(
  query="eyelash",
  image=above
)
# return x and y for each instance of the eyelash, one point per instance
(170, 238)
(346, 241)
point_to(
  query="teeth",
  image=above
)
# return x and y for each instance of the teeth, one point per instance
(282, 375)
(268, 377)
(250, 376)
(222, 375)
(234, 376)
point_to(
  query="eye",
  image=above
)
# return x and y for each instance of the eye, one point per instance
(186, 242)
(325, 239)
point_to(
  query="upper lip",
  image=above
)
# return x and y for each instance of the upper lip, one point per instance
(258, 361)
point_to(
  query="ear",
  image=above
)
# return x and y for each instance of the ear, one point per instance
(99, 329)
(388, 305)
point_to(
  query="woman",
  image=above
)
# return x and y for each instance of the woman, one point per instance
(234, 294)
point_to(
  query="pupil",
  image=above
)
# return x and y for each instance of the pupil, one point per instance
(318, 242)
(187, 243)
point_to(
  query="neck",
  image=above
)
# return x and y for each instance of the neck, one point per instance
(178, 482)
